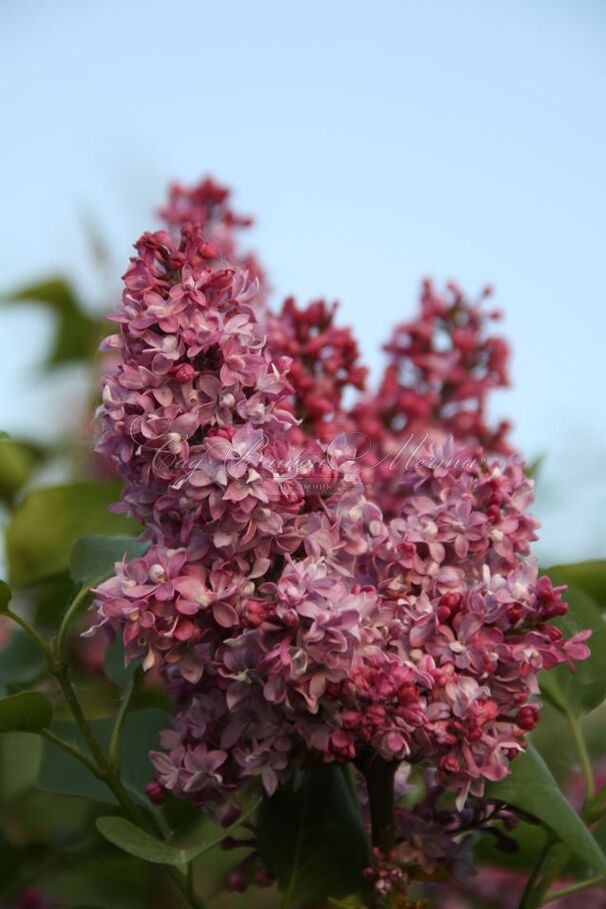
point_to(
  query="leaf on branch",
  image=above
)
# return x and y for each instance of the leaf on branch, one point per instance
(20, 756)
(115, 667)
(590, 576)
(132, 839)
(533, 469)
(28, 711)
(46, 524)
(531, 788)
(583, 690)
(77, 333)
(312, 840)
(18, 461)
(21, 660)
(63, 774)
(93, 557)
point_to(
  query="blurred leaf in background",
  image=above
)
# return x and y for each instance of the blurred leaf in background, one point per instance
(47, 523)
(76, 333)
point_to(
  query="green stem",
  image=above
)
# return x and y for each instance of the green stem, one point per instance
(584, 759)
(71, 699)
(114, 745)
(101, 767)
(111, 777)
(596, 807)
(527, 898)
(572, 888)
(29, 630)
(181, 882)
(65, 623)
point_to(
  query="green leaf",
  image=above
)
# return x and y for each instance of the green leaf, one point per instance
(140, 735)
(533, 469)
(93, 558)
(49, 599)
(20, 756)
(63, 774)
(18, 461)
(5, 596)
(531, 788)
(21, 660)
(584, 689)
(28, 711)
(115, 668)
(589, 576)
(132, 839)
(46, 524)
(312, 840)
(77, 333)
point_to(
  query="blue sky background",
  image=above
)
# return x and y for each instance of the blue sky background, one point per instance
(376, 144)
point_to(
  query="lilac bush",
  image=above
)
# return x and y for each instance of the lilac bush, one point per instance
(330, 584)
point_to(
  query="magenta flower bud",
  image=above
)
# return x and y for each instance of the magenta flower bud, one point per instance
(156, 793)
(236, 881)
(185, 373)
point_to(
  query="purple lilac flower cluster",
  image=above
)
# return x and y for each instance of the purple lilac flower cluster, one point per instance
(347, 609)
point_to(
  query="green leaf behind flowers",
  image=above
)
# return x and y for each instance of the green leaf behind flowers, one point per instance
(46, 524)
(531, 788)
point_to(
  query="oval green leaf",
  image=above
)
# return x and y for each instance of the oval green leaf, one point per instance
(590, 576)
(76, 334)
(531, 788)
(28, 711)
(312, 839)
(21, 660)
(46, 524)
(93, 557)
(115, 667)
(18, 461)
(64, 775)
(132, 839)
(583, 690)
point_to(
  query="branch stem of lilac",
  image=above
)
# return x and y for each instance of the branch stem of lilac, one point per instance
(102, 768)
(70, 612)
(127, 695)
(527, 899)
(110, 774)
(379, 776)
(573, 888)
(24, 624)
(584, 759)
